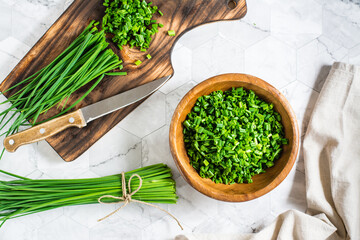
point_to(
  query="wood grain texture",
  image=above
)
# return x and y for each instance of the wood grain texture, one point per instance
(179, 15)
(45, 130)
(264, 182)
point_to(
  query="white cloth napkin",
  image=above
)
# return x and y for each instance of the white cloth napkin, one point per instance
(332, 167)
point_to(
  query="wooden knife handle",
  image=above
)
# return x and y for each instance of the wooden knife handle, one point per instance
(44, 130)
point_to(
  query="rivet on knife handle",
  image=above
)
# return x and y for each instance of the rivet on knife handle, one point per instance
(45, 130)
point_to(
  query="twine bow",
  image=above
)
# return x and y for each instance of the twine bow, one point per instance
(126, 198)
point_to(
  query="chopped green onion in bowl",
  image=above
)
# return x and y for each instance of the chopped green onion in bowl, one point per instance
(230, 136)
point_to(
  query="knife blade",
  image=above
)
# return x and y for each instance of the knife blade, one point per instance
(81, 117)
(121, 100)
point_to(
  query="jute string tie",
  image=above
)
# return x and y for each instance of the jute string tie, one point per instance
(126, 198)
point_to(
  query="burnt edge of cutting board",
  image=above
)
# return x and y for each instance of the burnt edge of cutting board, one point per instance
(179, 15)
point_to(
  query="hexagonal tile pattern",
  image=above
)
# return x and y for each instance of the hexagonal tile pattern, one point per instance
(242, 33)
(63, 228)
(7, 63)
(141, 215)
(290, 44)
(181, 60)
(115, 152)
(199, 35)
(315, 59)
(303, 21)
(341, 22)
(216, 56)
(50, 163)
(261, 18)
(166, 228)
(290, 194)
(9, 2)
(47, 11)
(114, 229)
(192, 208)
(81, 215)
(37, 174)
(14, 47)
(156, 149)
(302, 109)
(271, 60)
(219, 226)
(254, 210)
(261, 224)
(31, 19)
(67, 3)
(137, 122)
(254, 27)
(354, 55)
(5, 20)
(18, 229)
(26, 158)
(43, 218)
(173, 99)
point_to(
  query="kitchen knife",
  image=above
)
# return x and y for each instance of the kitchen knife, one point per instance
(81, 117)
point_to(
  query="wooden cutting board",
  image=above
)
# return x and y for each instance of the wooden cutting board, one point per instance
(179, 15)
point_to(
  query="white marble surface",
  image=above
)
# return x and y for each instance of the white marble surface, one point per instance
(289, 43)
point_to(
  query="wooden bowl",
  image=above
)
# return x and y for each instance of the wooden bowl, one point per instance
(262, 183)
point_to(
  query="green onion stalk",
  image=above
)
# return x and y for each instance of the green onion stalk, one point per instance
(86, 60)
(25, 196)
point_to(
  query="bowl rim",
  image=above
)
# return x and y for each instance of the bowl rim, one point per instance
(246, 78)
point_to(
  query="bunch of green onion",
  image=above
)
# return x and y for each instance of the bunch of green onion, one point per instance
(83, 61)
(27, 196)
